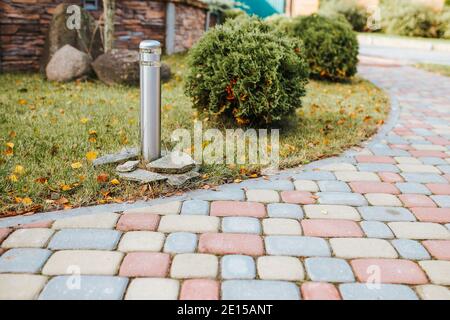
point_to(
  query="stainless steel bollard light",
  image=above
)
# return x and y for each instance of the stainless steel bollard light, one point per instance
(150, 60)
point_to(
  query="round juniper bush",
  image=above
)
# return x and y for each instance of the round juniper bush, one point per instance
(247, 70)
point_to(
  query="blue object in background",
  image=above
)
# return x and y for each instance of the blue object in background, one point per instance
(265, 8)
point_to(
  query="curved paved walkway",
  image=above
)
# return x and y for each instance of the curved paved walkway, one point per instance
(371, 224)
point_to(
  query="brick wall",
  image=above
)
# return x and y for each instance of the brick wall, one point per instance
(24, 25)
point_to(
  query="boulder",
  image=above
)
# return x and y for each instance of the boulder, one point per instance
(118, 66)
(67, 64)
(87, 39)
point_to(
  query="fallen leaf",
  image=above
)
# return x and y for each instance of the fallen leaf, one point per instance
(115, 182)
(13, 178)
(91, 155)
(84, 120)
(76, 165)
(19, 169)
(41, 180)
(27, 201)
(10, 145)
(66, 187)
(102, 177)
(22, 102)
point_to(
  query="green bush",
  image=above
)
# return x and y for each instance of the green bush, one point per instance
(331, 46)
(231, 14)
(444, 28)
(281, 23)
(353, 12)
(246, 70)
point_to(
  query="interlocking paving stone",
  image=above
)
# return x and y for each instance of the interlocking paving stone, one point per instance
(278, 226)
(362, 248)
(342, 198)
(285, 210)
(373, 187)
(376, 229)
(264, 196)
(423, 177)
(432, 161)
(280, 268)
(433, 292)
(141, 241)
(331, 228)
(92, 221)
(390, 177)
(377, 167)
(98, 239)
(439, 249)
(152, 289)
(237, 208)
(418, 168)
(191, 265)
(349, 176)
(314, 175)
(439, 188)
(278, 185)
(138, 222)
(413, 188)
(189, 223)
(4, 232)
(28, 238)
(442, 201)
(145, 264)
(329, 270)
(419, 230)
(319, 291)
(361, 291)
(200, 289)
(444, 168)
(222, 195)
(166, 208)
(375, 159)
(237, 267)
(297, 246)
(338, 167)
(331, 212)
(306, 185)
(386, 214)
(180, 242)
(297, 197)
(383, 199)
(241, 225)
(333, 186)
(195, 207)
(23, 260)
(416, 200)
(88, 262)
(410, 249)
(90, 288)
(259, 290)
(21, 286)
(37, 224)
(231, 243)
(437, 271)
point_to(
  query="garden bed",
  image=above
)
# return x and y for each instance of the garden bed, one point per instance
(51, 132)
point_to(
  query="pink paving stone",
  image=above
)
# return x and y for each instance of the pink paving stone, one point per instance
(331, 228)
(439, 188)
(231, 243)
(401, 146)
(319, 291)
(428, 153)
(438, 215)
(138, 222)
(373, 187)
(39, 224)
(391, 271)
(439, 249)
(237, 208)
(390, 177)
(145, 264)
(200, 289)
(4, 232)
(439, 141)
(299, 197)
(375, 159)
(416, 200)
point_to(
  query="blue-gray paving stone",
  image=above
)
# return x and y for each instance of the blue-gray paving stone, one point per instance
(241, 225)
(423, 177)
(91, 288)
(386, 214)
(238, 267)
(412, 188)
(418, 141)
(363, 291)
(297, 246)
(95, 239)
(278, 185)
(376, 229)
(433, 161)
(259, 290)
(181, 242)
(441, 201)
(285, 210)
(410, 249)
(195, 207)
(422, 132)
(28, 260)
(329, 270)
(314, 175)
(378, 167)
(390, 152)
(394, 139)
(444, 168)
(333, 186)
(342, 198)
(228, 194)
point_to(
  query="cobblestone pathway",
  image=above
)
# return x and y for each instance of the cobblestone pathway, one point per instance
(378, 214)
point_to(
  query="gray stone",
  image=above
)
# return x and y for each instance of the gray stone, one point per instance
(329, 270)
(412, 188)
(180, 242)
(127, 166)
(68, 64)
(173, 163)
(363, 291)
(423, 177)
(238, 267)
(28, 260)
(195, 207)
(386, 214)
(285, 210)
(241, 225)
(314, 175)
(376, 229)
(297, 246)
(96, 239)
(259, 290)
(377, 167)
(410, 249)
(177, 180)
(142, 176)
(342, 198)
(118, 66)
(124, 154)
(212, 195)
(333, 186)
(433, 161)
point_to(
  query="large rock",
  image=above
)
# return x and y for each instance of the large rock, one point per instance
(118, 66)
(67, 64)
(86, 39)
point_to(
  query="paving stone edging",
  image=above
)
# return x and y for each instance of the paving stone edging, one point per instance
(403, 43)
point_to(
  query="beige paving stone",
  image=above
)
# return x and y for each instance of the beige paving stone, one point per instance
(306, 185)
(191, 265)
(418, 168)
(28, 238)
(95, 221)
(338, 167)
(167, 208)
(429, 147)
(383, 199)
(314, 211)
(433, 292)
(438, 271)
(189, 223)
(264, 196)
(348, 176)
(21, 286)
(419, 230)
(89, 262)
(141, 241)
(152, 289)
(280, 268)
(278, 226)
(362, 248)
(407, 160)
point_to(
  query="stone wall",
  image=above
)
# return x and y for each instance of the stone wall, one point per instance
(24, 25)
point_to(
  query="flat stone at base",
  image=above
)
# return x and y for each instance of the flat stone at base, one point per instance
(173, 163)
(142, 176)
(259, 290)
(177, 180)
(124, 154)
(127, 166)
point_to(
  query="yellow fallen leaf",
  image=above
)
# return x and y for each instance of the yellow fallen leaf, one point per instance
(19, 169)
(27, 201)
(115, 182)
(91, 155)
(22, 101)
(10, 145)
(13, 178)
(84, 120)
(65, 187)
(91, 132)
(76, 165)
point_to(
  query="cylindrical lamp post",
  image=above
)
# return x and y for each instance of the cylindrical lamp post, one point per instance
(150, 60)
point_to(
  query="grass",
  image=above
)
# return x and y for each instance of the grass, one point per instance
(50, 131)
(441, 69)
(394, 36)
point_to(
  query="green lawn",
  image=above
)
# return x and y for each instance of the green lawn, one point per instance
(436, 68)
(49, 131)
